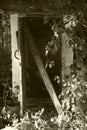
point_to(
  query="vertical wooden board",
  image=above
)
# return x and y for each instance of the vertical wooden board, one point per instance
(21, 64)
(14, 47)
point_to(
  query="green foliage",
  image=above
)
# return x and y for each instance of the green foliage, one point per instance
(75, 85)
(5, 76)
(5, 52)
(5, 63)
(71, 98)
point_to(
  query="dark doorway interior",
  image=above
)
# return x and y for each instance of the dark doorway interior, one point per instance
(42, 33)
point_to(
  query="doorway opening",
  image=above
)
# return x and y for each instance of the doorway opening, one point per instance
(42, 34)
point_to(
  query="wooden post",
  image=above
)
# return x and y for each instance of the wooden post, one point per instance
(20, 65)
(41, 68)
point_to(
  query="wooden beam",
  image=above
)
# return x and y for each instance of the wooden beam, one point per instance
(41, 68)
